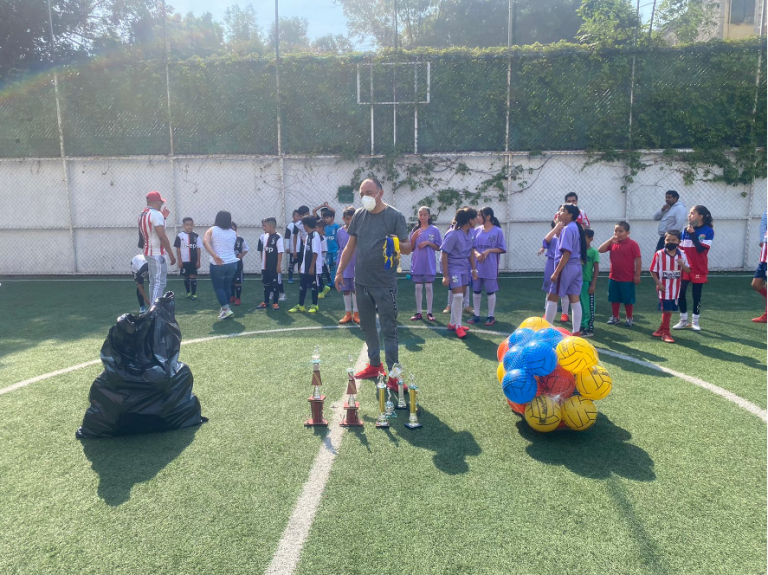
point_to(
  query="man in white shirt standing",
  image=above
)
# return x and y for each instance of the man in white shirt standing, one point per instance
(156, 245)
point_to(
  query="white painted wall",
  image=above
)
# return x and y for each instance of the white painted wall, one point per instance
(103, 197)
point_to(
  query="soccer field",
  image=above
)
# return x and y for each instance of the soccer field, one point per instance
(671, 478)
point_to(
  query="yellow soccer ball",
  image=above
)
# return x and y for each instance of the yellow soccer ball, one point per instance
(575, 354)
(542, 414)
(535, 323)
(594, 383)
(579, 413)
(500, 372)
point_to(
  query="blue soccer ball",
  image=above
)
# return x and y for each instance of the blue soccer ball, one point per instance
(539, 358)
(519, 386)
(521, 336)
(513, 359)
(549, 335)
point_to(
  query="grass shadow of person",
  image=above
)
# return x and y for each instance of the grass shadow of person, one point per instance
(409, 338)
(122, 462)
(598, 453)
(451, 447)
(227, 326)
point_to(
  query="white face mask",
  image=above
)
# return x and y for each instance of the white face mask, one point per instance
(369, 203)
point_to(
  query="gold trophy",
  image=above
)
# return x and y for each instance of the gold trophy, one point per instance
(351, 419)
(316, 401)
(383, 420)
(397, 373)
(413, 418)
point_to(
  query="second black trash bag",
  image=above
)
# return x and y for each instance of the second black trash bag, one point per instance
(144, 387)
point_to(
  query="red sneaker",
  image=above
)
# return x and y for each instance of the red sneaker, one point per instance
(371, 372)
(576, 334)
(451, 327)
(232, 299)
(659, 332)
(564, 318)
(762, 319)
(461, 332)
(667, 338)
(392, 384)
(237, 301)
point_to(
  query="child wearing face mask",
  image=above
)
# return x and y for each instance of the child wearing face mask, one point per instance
(667, 268)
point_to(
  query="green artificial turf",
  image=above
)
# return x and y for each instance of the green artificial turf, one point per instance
(671, 479)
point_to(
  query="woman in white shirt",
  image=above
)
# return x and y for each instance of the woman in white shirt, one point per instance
(219, 241)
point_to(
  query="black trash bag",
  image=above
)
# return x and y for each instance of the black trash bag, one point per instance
(144, 387)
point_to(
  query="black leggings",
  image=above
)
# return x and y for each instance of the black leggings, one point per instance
(683, 303)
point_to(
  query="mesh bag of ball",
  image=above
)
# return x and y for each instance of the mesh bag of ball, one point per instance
(550, 377)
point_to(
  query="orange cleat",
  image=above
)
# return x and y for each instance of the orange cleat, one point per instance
(356, 318)
(347, 318)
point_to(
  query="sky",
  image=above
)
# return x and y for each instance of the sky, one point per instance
(324, 16)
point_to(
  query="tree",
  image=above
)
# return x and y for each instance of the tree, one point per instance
(686, 20)
(607, 23)
(241, 30)
(293, 35)
(332, 44)
(472, 23)
(81, 28)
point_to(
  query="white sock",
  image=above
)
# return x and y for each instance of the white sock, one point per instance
(695, 319)
(684, 316)
(576, 316)
(354, 302)
(476, 298)
(450, 298)
(564, 301)
(466, 296)
(456, 311)
(419, 291)
(551, 310)
(430, 294)
(348, 302)
(492, 305)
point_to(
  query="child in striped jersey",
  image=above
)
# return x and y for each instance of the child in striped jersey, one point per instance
(187, 246)
(241, 248)
(272, 249)
(667, 269)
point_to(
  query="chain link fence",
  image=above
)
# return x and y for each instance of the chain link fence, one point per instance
(82, 145)
(102, 198)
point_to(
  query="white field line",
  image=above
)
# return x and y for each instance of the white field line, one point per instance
(288, 554)
(724, 393)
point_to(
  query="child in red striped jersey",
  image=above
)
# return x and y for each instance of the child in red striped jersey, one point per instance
(667, 269)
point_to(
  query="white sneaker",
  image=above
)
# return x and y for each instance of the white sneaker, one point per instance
(282, 297)
(682, 324)
(221, 314)
(228, 314)
(695, 326)
(613, 320)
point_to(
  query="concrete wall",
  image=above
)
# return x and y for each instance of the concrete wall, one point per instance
(86, 223)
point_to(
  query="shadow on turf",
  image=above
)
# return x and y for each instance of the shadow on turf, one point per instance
(451, 447)
(598, 453)
(122, 462)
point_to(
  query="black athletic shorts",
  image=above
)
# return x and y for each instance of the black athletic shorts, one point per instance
(188, 269)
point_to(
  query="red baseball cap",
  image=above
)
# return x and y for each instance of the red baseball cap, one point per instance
(155, 197)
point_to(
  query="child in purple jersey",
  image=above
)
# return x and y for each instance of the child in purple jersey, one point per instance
(458, 263)
(489, 243)
(567, 277)
(549, 246)
(348, 288)
(425, 241)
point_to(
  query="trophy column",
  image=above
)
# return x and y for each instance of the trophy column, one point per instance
(413, 418)
(351, 419)
(316, 401)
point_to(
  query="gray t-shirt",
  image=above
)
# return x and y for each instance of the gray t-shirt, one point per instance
(371, 231)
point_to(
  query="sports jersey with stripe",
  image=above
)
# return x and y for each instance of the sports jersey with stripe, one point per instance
(189, 245)
(148, 221)
(270, 245)
(312, 246)
(699, 262)
(670, 272)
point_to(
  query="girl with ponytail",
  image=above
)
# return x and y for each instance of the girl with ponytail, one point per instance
(425, 241)
(489, 243)
(567, 278)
